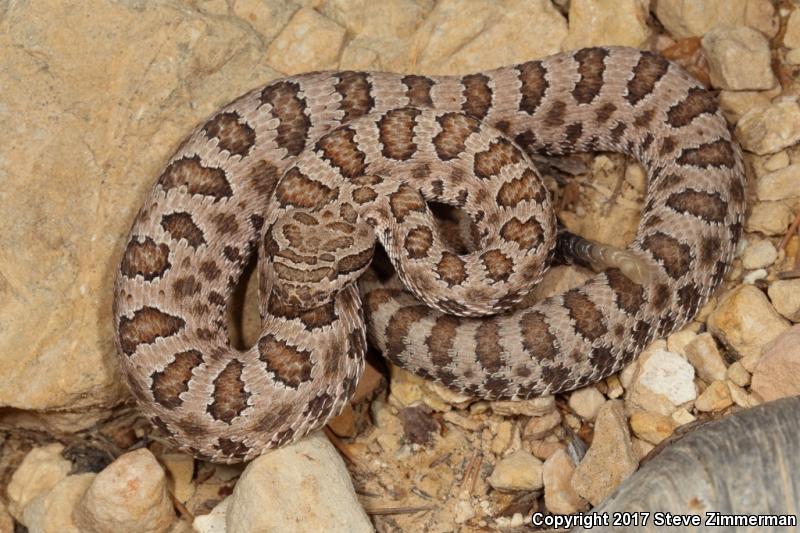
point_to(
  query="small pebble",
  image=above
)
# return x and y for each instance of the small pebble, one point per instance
(716, 397)
(704, 355)
(737, 374)
(652, 427)
(739, 58)
(38, 472)
(586, 402)
(539, 426)
(744, 321)
(610, 459)
(517, 471)
(760, 253)
(785, 297)
(771, 128)
(559, 496)
(129, 495)
(775, 375)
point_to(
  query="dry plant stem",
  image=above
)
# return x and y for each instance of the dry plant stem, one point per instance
(398, 510)
(794, 228)
(341, 446)
(471, 472)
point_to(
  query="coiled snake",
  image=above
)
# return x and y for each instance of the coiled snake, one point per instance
(309, 171)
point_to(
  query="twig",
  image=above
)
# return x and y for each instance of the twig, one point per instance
(789, 274)
(398, 510)
(471, 472)
(341, 446)
(793, 228)
(182, 510)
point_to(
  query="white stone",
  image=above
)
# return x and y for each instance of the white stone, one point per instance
(304, 485)
(785, 296)
(739, 58)
(607, 22)
(664, 381)
(38, 472)
(738, 395)
(705, 357)
(586, 402)
(129, 495)
(769, 129)
(754, 275)
(518, 471)
(759, 253)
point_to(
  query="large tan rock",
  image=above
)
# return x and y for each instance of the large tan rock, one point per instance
(267, 18)
(309, 42)
(301, 487)
(689, 18)
(791, 38)
(607, 22)
(381, 32)
(109, 90)
(463, 37)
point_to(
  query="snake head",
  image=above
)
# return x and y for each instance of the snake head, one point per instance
(315, 254)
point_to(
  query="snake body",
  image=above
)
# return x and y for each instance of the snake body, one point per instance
(310, 171)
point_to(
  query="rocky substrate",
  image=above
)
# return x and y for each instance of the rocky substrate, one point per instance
(96, 95)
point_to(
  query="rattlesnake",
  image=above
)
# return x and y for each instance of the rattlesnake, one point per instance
(309, 170)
